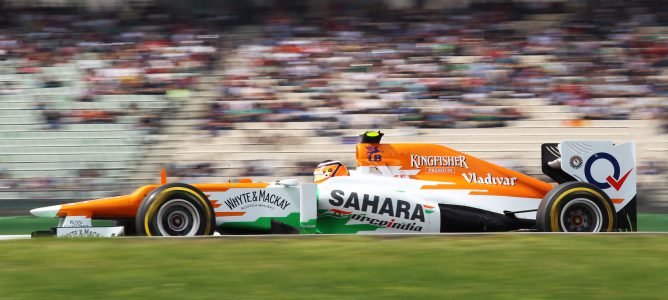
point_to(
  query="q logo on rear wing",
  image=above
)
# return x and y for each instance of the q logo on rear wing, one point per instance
(610, 167)
(611, 181)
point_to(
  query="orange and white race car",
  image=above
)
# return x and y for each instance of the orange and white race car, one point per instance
(395, 188)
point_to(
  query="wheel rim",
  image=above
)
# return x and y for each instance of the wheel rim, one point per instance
(581, 215)
(178, 217)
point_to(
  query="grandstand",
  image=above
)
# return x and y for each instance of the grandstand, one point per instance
(516, 146)
(55, 164)
(75, 118)
(272, 99)
(288, 148)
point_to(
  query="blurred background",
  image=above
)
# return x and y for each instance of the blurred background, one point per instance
(97, 96)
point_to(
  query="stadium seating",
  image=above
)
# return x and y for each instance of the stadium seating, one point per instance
(45, 164)
(324, 119)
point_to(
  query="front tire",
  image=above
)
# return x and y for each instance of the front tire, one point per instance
(175, 209)
(576, 207)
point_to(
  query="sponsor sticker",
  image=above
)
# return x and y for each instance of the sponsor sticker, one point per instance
(377, 205)
(257, 199)
(459, 161)
(616, 180)
(364, 219)
(84, 232)
(575, 161)
(448, 170)
(373, 153)
(89, 231)
(489, 179)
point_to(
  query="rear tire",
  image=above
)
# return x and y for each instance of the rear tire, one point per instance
(576, 207)
(175, 209)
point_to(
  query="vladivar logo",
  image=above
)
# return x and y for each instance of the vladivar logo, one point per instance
(489, 179)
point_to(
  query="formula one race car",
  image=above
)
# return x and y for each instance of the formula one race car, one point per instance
(396, 188)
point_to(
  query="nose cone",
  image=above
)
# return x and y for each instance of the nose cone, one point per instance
(46, 212)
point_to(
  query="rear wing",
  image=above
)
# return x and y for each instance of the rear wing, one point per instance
(610, 167)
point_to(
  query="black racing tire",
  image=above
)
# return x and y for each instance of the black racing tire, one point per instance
(129, 228)
(175, 209)
(576, 207)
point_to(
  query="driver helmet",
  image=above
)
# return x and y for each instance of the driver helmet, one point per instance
(327, 169)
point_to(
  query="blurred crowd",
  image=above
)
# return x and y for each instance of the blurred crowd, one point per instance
(469, 67)
(116, 54)
(417, 68)
(149, 54)
(445, 69)
(82, 179)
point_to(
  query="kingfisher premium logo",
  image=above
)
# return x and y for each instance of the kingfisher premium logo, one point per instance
(418, 161)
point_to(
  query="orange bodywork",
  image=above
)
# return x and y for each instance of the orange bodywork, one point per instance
(457, 170)
(445, 167)
(125, 207)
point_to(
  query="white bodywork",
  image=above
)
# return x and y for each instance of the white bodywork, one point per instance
(411, 190)
(610, 167)
(250, 204)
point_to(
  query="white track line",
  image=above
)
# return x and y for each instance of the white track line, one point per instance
(14, 237)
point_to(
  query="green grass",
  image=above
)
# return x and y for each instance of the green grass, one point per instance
(25, 225)
(508, 266)
(653, 222)
(28, 224)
